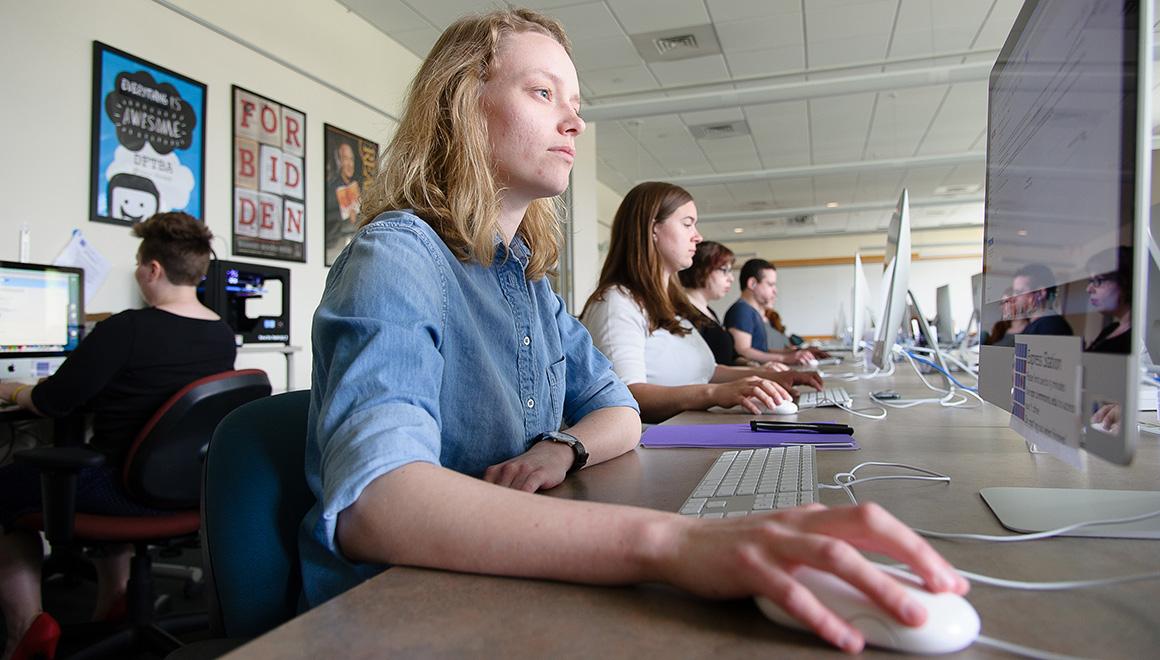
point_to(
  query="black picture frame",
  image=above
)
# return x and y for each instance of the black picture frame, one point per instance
(268, 181)
(147, 151)
(342, 189)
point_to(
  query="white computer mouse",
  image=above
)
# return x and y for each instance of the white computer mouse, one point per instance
(951, 623)
(786, 407)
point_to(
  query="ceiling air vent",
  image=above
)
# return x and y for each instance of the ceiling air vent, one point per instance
(665, 44)
(799, 221)
(676, 44)
(720, 130)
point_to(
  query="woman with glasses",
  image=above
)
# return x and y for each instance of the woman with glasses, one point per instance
(1109, 292)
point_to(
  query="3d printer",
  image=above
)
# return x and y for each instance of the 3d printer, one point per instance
(254, 299)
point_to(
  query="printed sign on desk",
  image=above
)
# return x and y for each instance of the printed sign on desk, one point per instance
(1045, 394)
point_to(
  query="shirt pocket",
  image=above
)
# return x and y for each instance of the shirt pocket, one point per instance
(557, 379)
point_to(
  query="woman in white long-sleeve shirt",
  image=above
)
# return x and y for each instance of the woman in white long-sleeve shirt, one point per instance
(638, 315)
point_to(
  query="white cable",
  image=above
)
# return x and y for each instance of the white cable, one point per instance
(852, 411)
(1024, 651)
(904, 571)
(1012, 538)
(845, 480)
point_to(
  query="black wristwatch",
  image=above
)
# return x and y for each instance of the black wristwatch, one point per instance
(579, 453)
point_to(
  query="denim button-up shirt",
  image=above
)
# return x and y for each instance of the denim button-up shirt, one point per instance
(421, 357)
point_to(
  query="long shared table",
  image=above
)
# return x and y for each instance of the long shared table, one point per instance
(413, 612)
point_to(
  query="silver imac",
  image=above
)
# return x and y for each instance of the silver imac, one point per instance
(895, 283)
(1066, 248)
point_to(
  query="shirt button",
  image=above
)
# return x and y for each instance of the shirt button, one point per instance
(531, 403)
(527, 341)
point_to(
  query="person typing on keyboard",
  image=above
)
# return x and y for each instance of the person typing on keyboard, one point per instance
(640, 317)
(444, 364)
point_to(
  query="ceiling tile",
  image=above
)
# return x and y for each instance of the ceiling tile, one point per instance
(781, 133)
(639, 17)
(703, 117)
(962, 116)
(418, 41)
(734, 10)
(693, 71)
(618, 80)
(930, 27)
(761, 33)
(386, 15)
(768, 61)
(838, 127)
(901, 119)
(998, 24)
(589, 20)
(604, 53)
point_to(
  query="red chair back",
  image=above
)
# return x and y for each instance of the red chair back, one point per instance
(163, 467)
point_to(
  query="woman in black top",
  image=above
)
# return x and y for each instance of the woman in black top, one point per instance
(1109, 291)
(122, 372)
(709, 278)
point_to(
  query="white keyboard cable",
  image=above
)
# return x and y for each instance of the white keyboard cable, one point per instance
(844, 480)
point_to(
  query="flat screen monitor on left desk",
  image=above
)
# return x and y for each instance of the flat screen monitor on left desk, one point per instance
(41, 318)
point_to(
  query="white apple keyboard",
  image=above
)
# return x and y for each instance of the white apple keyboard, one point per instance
(951, 623)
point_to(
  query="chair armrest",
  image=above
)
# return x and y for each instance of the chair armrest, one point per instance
(58, 485)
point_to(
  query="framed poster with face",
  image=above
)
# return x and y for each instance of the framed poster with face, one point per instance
(351, 161)
(148, 140)
(269, 182)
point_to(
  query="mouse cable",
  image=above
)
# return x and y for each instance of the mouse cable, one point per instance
(904, 571)
(1024, 651)
(844, 480)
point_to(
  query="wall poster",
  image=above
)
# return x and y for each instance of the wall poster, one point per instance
(269, 178)
(148, 140)
(350, 162)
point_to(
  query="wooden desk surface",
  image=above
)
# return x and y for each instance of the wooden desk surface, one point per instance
(409, 612)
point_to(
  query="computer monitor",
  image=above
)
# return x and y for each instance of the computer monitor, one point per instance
(1066, 245)
(863, 311)
(944, 320)
(41, 310)
(895, 283)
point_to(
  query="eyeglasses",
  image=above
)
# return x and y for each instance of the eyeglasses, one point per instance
(1098, 280)
(725, 269)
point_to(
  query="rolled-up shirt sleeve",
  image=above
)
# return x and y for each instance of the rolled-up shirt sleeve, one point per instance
(591, 382)
(377, 368)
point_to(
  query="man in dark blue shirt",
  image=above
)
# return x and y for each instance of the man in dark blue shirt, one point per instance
(746, 318)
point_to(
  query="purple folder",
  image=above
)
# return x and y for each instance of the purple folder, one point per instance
(731, 436)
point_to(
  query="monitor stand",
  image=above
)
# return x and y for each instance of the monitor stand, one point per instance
(1040, 509)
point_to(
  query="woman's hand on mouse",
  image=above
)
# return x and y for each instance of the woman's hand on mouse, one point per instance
(757, 554)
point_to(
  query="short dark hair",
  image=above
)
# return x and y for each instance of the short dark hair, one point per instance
(177, 241)
(754, 268)
(710, 255)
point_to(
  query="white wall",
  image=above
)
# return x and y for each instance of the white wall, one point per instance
(46, 72)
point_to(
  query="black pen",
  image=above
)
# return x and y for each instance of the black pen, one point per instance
(816, 427)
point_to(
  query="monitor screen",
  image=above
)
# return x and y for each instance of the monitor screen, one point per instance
(41, 309)
(1066, 187)
(895, 283)
(945, 324)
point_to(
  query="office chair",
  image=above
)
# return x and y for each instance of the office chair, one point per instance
(162, 470)
(253, 501)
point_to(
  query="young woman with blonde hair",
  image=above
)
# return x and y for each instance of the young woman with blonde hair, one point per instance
(443, 365)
